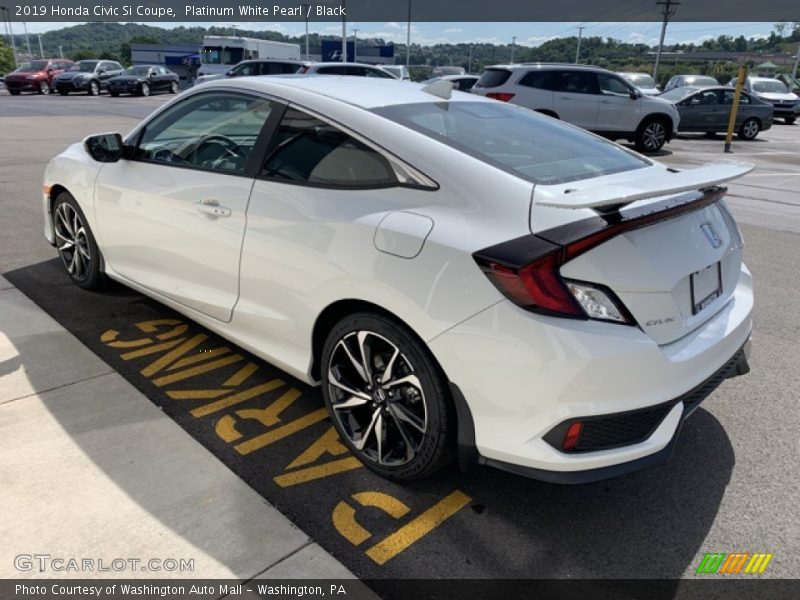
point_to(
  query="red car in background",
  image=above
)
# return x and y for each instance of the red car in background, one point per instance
(36, 75)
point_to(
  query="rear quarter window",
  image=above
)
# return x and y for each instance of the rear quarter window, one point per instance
(542, 80)
(493, 78)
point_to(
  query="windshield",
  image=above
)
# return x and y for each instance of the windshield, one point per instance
(642, 80)
(700, 80)
(677, 94)
(137, 71)
(217, 55)
(33, 66)
(529, 145)
(85, 66)
(772, 86)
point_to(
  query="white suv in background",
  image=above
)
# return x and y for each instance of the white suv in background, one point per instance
(590, 97)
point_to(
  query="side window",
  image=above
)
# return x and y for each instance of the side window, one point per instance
(377, 73)
(578, 82)
(212, 132)
(307, 150)
(248, 69)
(542, 80)
(708, 97)
(727, 97)
(289, 68)
(357, 71)
(612, 86)
(332, 71)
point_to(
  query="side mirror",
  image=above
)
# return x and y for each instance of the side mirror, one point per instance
(104, 147)
(230, 73)
(635, 94)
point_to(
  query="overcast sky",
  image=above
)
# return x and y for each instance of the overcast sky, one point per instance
(527, 34)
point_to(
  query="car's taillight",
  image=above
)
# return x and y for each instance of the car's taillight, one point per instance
(502, 96)
(536, 286)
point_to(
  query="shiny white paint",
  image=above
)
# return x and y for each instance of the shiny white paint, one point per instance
(409, 251)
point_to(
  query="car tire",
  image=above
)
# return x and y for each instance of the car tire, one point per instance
(94, 88)
(414, 418)
(14, 92)
(75, 242)
(144, 90)
(173, 89)
(790, 120)
(44, 88)
(651, 135)
(749, 129)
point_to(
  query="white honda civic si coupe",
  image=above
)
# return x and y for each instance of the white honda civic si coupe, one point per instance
(463, 277)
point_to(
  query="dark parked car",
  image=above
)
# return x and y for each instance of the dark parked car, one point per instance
(143, 80)
(36, 76)
(249, 68)
(677, 81)
(709, 109)
(90, 76)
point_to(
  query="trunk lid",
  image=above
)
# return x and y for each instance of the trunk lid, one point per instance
(673, 272)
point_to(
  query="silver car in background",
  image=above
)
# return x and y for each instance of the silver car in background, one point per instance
(644, 82)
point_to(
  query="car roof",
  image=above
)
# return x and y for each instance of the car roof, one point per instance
(364, 92)
(343, 64)
(293, 61)
(547, 65)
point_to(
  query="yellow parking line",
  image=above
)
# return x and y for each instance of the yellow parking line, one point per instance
(318, 472)
(150, 350)
(241, 375)
(196, 394)
(155, 366)
(190, 360)
(199, 370)
(265, 439)
(401, 539)
(207, 409)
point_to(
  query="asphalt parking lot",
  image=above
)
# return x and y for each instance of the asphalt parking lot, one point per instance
(731, 486)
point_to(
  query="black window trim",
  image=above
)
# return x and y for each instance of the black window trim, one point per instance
(264, 141)
(257, 155)
(397, 165)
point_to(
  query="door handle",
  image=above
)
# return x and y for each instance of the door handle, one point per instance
(210, 206)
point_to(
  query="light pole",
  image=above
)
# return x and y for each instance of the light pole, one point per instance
(796, 61)
(469, 64)
(344, 32)
(408, 37)
(578, 49)
(306, 8)
(11, 33)
(355, 44)
(41, 50)
(60, 51)
(27, 40)
(513, 44)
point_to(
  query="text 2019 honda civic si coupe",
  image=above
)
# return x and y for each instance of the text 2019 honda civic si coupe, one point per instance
(462, 276)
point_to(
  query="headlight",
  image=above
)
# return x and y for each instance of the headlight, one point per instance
(31, 77)
(596, 303)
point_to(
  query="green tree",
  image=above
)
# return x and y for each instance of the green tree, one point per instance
(6, 58)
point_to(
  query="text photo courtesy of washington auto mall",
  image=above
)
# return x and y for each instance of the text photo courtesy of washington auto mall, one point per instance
(399, 300)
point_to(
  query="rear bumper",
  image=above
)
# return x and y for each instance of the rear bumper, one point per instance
(522, 375)
(687, 403)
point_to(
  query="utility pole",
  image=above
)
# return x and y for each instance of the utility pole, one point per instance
(408, 38)
(669, 8)
(513, 43)
(41, 50)
(60, 51)
(796, 62)
(469, 64)
(355, 44)
(11, 33)
(578, 49)
(306, 10)
(344, 32)
(27, 40)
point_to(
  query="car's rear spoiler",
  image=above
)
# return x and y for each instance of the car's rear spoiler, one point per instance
(669, 181)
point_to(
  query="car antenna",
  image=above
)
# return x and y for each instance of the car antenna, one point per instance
(441, 88)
